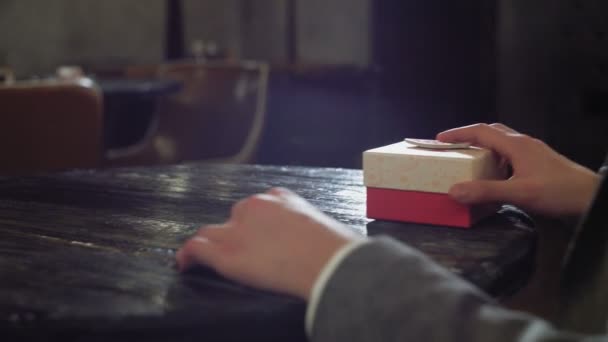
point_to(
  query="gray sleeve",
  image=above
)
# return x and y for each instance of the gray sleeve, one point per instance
(386, 291)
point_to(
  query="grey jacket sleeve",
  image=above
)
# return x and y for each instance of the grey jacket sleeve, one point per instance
(386, 291)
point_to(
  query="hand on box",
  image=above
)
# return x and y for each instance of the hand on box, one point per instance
(543, 181)
(268, 243)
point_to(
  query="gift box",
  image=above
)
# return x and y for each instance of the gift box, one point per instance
(410, 184)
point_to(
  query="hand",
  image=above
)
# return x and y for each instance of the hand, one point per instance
(275, 241)
(543, 181)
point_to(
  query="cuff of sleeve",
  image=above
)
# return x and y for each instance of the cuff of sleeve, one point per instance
(324, 275)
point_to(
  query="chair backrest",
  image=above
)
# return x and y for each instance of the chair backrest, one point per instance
(217, 116)
(6, 76)
(49, 126)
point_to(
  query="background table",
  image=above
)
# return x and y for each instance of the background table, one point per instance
(89, 255)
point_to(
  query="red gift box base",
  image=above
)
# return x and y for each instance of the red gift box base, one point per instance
(421, 207)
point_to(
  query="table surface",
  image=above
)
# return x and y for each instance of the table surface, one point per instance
(86, 254)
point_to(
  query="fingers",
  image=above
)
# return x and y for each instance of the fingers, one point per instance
(209, 241)
(202, 247)
(488, 191)
(492, 137)
(238, 210)
(240, 207)
(280, 192)
(504, 128)
(197, 250)
(504, 162)
(213, 232)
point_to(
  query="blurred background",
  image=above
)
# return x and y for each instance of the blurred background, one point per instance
(111, 83)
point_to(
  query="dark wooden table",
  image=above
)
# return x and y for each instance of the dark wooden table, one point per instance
(89, 255)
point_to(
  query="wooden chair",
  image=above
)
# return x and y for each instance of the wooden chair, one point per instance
(218, 116)
(49, 126)
(7, 76)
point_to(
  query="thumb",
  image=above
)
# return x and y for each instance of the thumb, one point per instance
(487, 191)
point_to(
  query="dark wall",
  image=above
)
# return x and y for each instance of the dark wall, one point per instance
(438, 59)
(433, 68)
(325, 116)
(553, 69)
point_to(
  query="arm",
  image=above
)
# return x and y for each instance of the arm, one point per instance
(385, 291)
(381, 291)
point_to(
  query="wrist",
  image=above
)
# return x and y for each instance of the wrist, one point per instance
(587, 188)
(324, 277)
(318, 260)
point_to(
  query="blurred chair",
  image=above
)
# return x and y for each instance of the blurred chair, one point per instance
(6, 76)
(218, 116)
(49, 126)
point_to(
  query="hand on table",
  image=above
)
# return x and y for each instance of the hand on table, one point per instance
(276, 241)
(543, 181)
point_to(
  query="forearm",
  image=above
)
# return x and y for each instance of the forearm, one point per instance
(385, 291)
